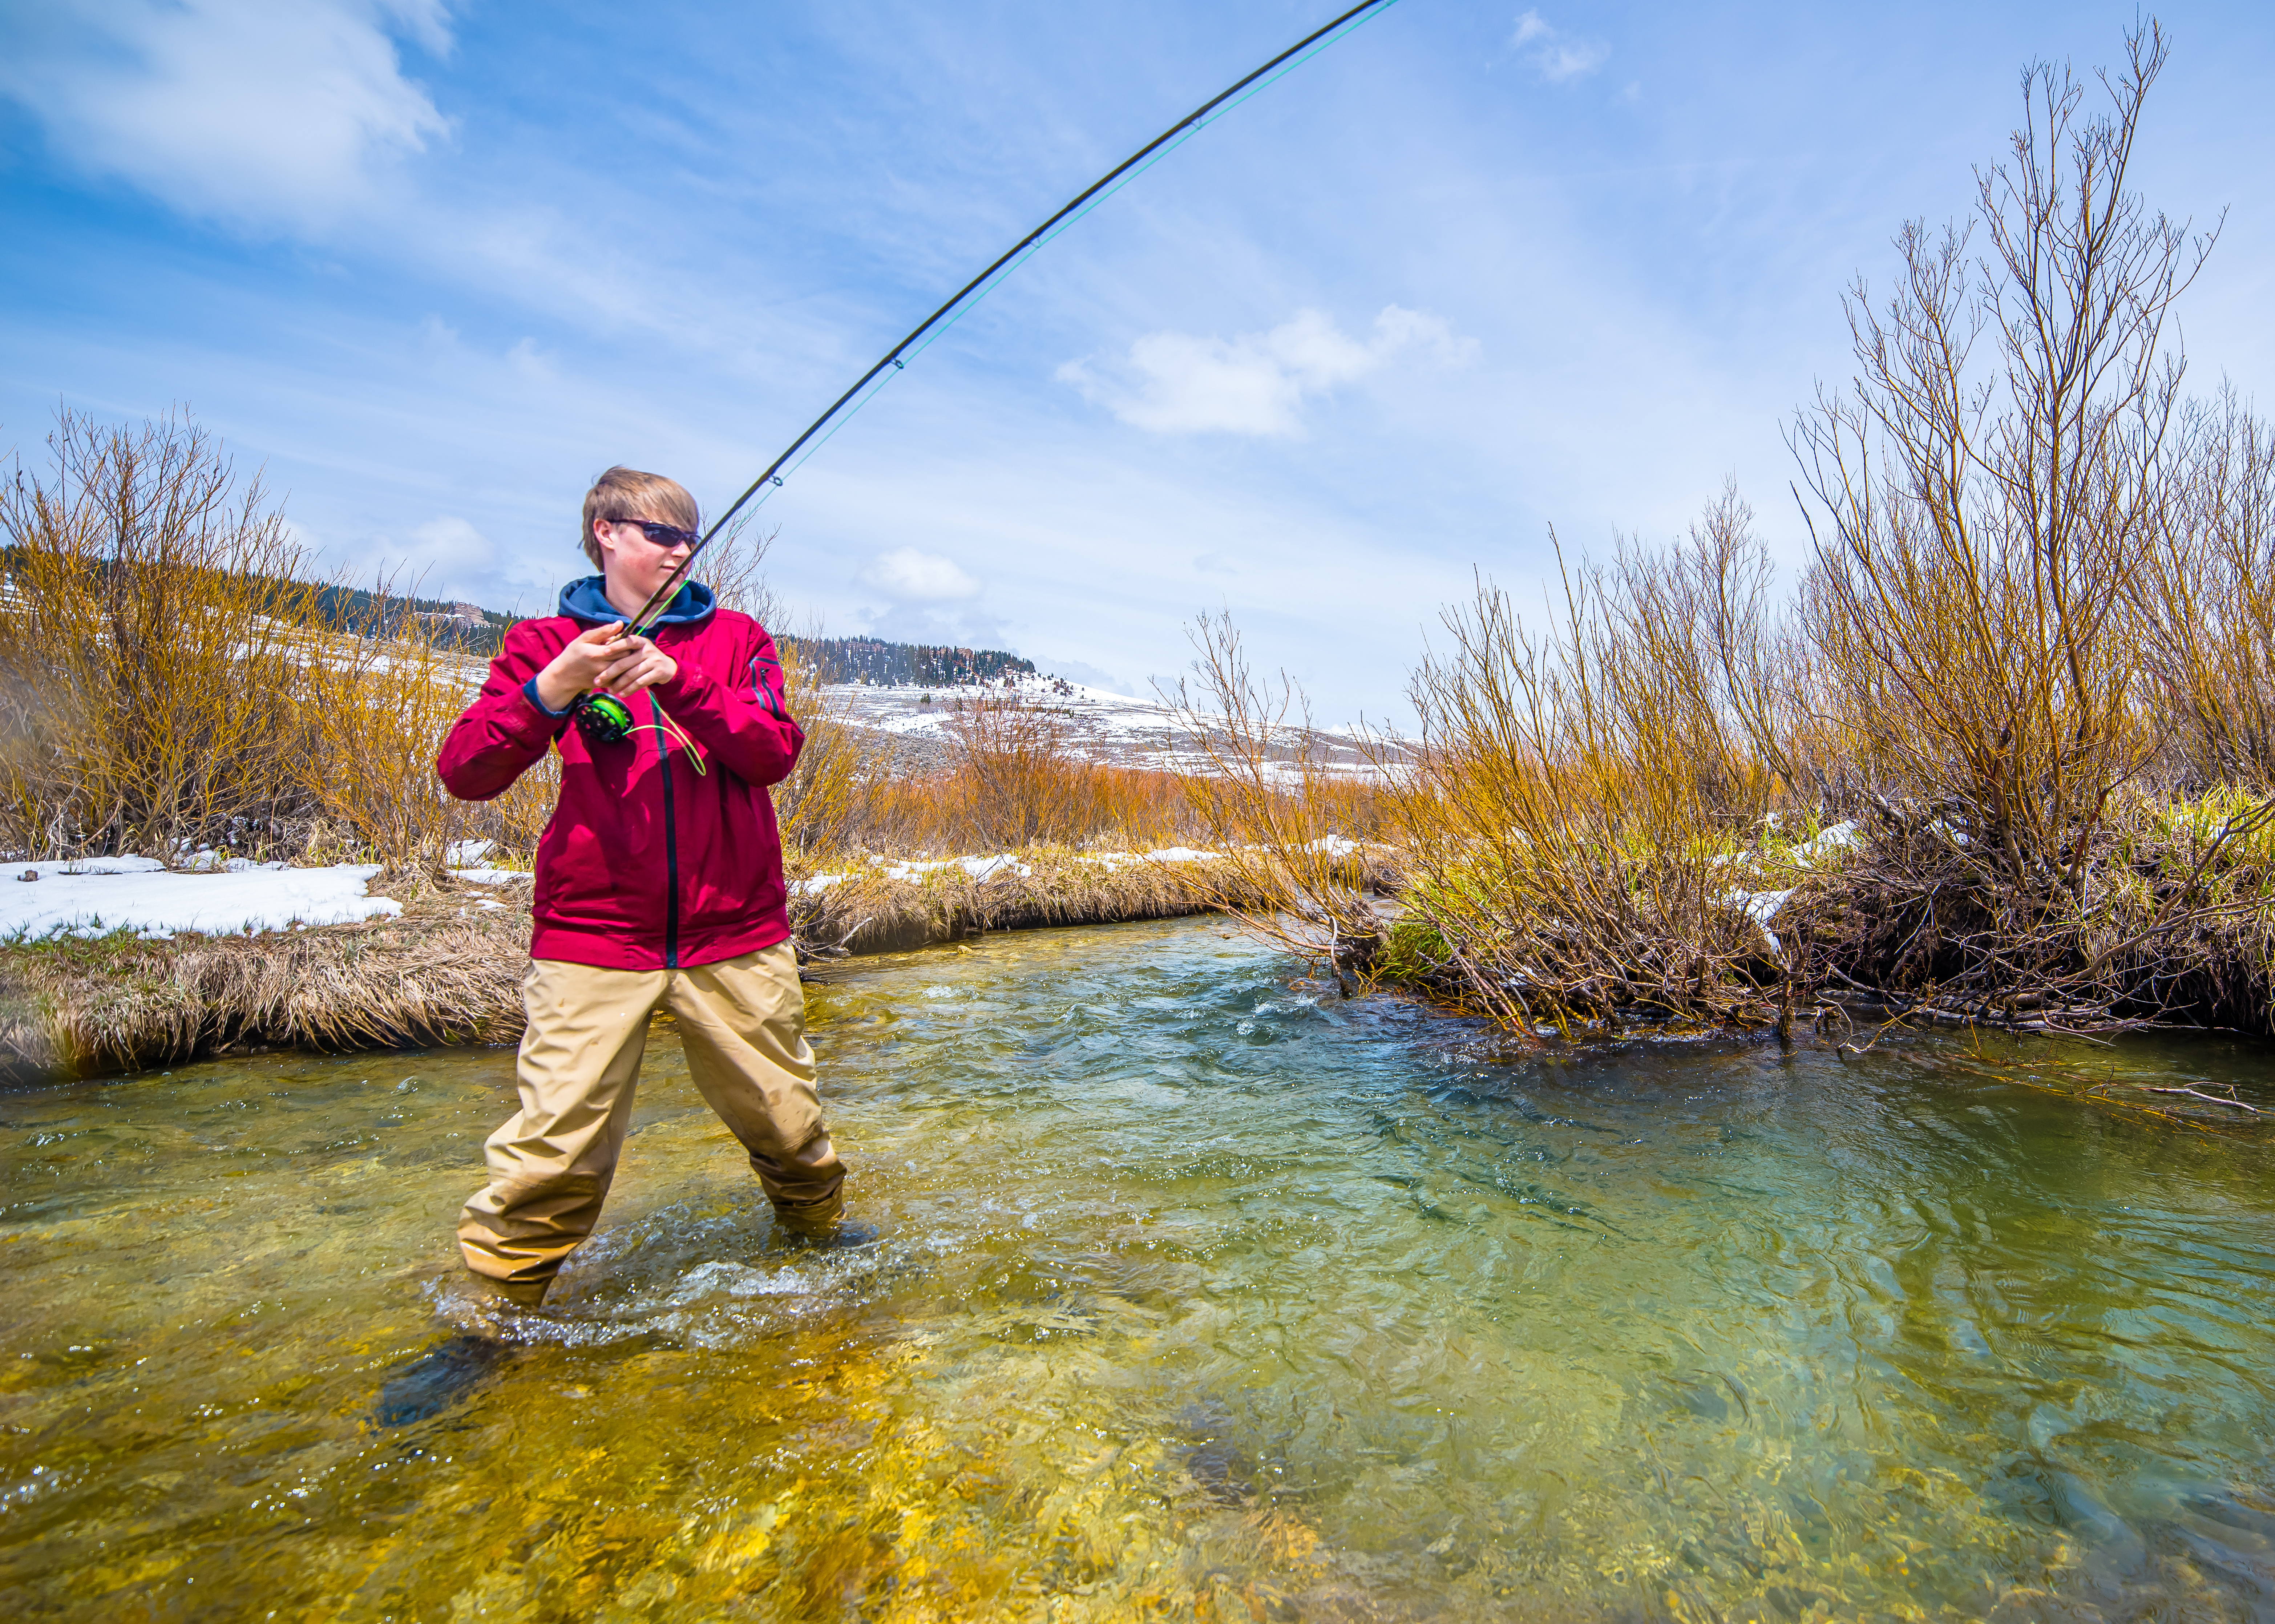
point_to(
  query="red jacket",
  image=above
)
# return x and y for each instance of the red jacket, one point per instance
(645, 863)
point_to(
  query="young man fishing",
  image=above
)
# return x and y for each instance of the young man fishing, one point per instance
(659, 885)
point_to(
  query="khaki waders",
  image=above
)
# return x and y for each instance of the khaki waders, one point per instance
(742, 1023)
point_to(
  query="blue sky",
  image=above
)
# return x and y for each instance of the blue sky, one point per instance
(1480, 269)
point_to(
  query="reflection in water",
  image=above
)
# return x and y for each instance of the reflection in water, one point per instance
(1195, 1296)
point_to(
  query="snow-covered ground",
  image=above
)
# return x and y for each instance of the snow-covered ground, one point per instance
(138, 894)
(1101, 725)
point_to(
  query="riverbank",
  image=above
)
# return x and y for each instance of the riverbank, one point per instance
(446, 969)
(2162, 917)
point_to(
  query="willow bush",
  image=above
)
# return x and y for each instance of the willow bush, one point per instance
(1581, 789)
(2031, 659)
(154, 645)
(180, 683)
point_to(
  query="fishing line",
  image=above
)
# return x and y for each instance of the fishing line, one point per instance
(604, 719)
(1185, 134)
(896, 358)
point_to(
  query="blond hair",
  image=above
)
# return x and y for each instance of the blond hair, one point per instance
(626, 492)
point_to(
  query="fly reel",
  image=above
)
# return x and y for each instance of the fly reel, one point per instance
(603, 719)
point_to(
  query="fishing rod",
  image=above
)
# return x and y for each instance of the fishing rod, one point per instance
(660, 599)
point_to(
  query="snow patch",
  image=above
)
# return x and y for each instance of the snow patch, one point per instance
(979, 868)
(1762, 907)
(138, 895)
(1837, 838)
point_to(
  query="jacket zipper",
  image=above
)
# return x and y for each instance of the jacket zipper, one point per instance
(670, 842)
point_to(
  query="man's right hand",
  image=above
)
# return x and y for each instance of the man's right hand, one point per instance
(576, 668)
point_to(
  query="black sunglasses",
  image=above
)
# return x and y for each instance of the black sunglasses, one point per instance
(661, 534)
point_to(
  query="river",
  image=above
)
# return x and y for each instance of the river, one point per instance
(1198, 1295)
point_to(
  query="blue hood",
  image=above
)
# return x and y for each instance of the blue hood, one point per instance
(587, 600)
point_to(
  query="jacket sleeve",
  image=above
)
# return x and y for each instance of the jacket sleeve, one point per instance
(741, 723)
(505, 730)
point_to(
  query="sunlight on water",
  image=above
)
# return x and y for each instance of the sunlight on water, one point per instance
(1199, 1296)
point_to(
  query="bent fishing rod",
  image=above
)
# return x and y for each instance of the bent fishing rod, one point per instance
(894, 359)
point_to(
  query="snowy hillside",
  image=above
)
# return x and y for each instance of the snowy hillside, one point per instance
(1100, 725)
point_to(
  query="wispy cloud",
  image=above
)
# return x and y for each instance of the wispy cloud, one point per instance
(262, 112)
(297, 118)
(1557, 56)
(1183, 383)
(446, 556)
(908, 576)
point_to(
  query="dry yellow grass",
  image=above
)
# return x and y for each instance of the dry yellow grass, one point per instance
(1016, 781)
(869, 911)
(442, 972)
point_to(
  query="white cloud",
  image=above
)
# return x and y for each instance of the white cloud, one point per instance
(956, 628)
(450, 558)
(256, 111)
(1556, 54)
(908, 576)
(1182, 383)
(444, 557)
(450, 541)
(532, 363)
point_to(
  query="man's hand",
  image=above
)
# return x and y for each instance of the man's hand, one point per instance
(638, 664)
(603, 658)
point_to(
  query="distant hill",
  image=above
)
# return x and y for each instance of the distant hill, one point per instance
(467, 626)
(352, 609)
(463, 625)
(870, 660)
(881, 664)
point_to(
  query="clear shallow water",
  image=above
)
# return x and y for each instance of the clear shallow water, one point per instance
(1198, 1297)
